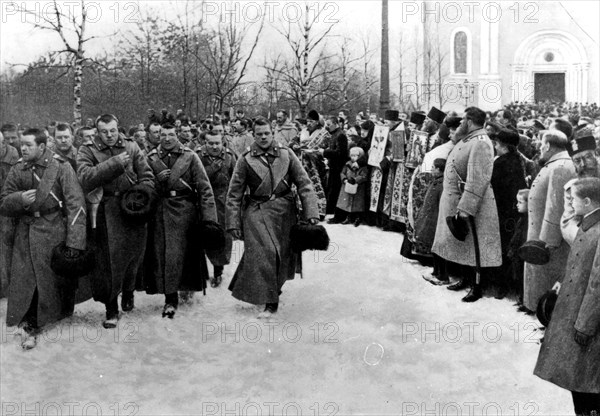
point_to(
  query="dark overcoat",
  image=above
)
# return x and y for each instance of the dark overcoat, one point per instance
(337, 155)
(173, 260)
(426, 217)
(219, 170)
(354, 202)
(8, 157)
(118, 242)
(266, 217)
(508, 177)
(545, 207)
(41, 227)
(470, 161)
(563, 361)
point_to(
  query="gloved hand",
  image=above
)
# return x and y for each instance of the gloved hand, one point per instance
(72, 252)
(351, 181)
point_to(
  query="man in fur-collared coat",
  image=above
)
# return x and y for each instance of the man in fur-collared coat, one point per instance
(43, 193)
(219, 163)
(114, 164)
(264, 218)
(470, 164)
(546, 206)
(173, 259)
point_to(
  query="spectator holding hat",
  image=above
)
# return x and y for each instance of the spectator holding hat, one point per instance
(546, 205)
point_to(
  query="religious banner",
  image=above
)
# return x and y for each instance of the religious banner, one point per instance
(376, 178)
(416, 148)
(377, 150)
(397, 139)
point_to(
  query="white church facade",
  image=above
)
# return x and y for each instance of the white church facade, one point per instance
(499, 52)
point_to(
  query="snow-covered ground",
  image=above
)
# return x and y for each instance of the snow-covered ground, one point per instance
(362, 333)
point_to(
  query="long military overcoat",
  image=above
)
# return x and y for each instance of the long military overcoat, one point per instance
(219, 170)
(266, 217)
(8, 157)
(41, 227)
(118, 242)
(174, 260)
(470, 161)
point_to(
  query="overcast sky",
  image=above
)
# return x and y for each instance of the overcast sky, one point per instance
(20, 43)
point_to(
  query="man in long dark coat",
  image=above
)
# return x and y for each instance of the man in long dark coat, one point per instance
(508, 177)
(114, 164)
(42, 191)
(8, 157)
(264, 218)
(185, 199)
(336, 153)
(219, 163)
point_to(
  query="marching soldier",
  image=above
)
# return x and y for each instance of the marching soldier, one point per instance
(63, 139)
(219, 163)
(8, 157)
(112, 166)
(173, 259)
(42, 191)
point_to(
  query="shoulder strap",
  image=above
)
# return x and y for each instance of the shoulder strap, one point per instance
(181, 166)
(46, 183)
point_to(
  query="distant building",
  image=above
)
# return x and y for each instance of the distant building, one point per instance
(498, 52)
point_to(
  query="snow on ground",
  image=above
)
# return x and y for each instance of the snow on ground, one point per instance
(362, 333)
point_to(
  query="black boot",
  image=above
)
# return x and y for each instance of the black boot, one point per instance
(171, 303)
(112, 314)
(127, 300)
(474, 294)
(218, 276)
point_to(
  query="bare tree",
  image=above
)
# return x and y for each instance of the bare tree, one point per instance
(367, 54)
(226, 58)
(72, 30)
(307, 73)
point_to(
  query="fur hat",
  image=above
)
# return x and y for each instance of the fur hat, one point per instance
(212, 235)
(313, 115)
(458, 227)
(138, 203)
(69, 265)
(545, 307)
(305, 236)
(584, 140)
(392, 115)
(436, 115)
(534, 252)
(417, 118)
(507, 136)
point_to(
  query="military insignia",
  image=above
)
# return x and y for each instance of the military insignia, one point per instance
(574, 145)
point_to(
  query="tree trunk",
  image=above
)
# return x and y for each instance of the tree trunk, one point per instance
(77, 89)
(384, 90)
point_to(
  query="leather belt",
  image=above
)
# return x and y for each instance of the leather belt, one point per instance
(270, 198)
(38, 214)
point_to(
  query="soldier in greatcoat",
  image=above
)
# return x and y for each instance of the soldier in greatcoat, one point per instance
(467, 192)
(546, 206)
(570, 352)
(63, 139)
(43, 194)
(219, 163)
(264, 218)
(8, 157)
(174, 261)
(114, 164)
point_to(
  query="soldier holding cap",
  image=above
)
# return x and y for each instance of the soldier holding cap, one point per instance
(113, 165)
